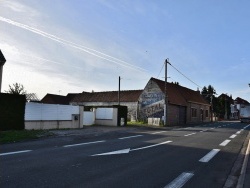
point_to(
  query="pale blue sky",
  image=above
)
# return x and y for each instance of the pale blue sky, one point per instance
(85, 45)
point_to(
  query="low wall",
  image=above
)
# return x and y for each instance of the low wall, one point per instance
(52, 124)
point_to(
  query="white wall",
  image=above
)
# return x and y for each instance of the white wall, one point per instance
(104, 113)
(38, 111)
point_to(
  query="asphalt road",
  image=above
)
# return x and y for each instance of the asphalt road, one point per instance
(199, 156)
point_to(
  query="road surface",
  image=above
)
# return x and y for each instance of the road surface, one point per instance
(198, 156)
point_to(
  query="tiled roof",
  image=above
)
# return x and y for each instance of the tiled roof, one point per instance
(58, 99)
(108, 96)
(2, 59)
(180, 95)
(241, 101)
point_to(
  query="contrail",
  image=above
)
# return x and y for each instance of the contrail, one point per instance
(74, 45)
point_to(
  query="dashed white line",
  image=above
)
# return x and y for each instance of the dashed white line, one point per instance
(159, 132)
(238, 132)
(180, 180)
(15, 152)
(224, 143)
(233, 136)
(129, 137)
(86, 143)
(190, 134)
(209, 156)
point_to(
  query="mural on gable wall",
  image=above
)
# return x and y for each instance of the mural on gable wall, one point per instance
(151, 102)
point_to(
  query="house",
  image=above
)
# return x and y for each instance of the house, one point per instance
(236, 106)
(128, 98)
(58, 99)
(184, 105)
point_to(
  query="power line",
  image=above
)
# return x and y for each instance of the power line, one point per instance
(185, 76)
(160, 70)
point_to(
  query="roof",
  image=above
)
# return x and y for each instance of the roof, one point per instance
(108, 96)
(58, 99)
(2, 59)
(239, 100)
(180, 95)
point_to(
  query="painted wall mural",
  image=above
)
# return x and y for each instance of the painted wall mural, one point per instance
(151, 102)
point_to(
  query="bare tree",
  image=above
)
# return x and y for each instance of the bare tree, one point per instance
(16, 89)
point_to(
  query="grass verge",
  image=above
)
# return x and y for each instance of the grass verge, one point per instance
(17, 136)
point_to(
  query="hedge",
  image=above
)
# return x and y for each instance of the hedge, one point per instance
(12, 109)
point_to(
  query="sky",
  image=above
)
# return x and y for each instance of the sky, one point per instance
(64, 46)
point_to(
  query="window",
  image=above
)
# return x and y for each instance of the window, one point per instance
(206, 113)
(193, 112)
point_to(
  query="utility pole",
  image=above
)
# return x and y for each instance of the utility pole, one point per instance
(166, 96)
(225, 106)
(2, 61)
(119, 85)
(212, 108)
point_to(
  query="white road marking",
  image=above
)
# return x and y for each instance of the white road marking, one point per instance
(224, 143)
(246, 126)
(180, 180)
(190, 134)
(129, 137)
(233, 136)
(159, 132)
(209, 156)
(212, 128)
(86, 143)
(15, 152)
(187, 127)
(238, 132)
(123, 151)
(150, 146)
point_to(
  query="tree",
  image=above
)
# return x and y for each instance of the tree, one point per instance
(17, 89)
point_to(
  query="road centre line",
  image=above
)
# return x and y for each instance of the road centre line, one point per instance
(150, 146)
(180, 180)
(15, 152)
(233, 136)
(225, 142)
(86, 143)
(159, 132)
(238, 132)
(190, 134)
(209, 156)
(129, 137)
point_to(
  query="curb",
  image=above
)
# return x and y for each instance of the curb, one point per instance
(244, 168)
(233, 179)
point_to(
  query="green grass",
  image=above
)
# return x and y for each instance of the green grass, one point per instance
(16, 136)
